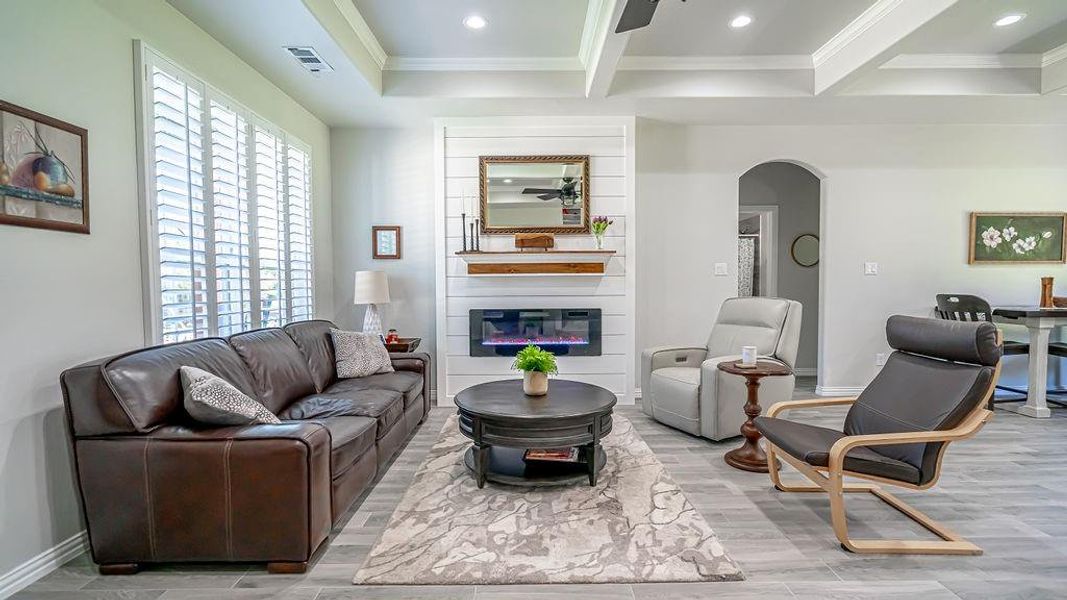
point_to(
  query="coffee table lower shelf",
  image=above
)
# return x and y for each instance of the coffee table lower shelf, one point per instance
(507, 467)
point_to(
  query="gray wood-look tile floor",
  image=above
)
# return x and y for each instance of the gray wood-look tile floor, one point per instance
(1006, 490)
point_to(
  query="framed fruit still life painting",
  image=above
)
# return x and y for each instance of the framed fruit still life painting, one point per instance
(43, 171)
(1017, 238)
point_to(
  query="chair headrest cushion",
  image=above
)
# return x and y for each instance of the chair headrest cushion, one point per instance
(957, 341)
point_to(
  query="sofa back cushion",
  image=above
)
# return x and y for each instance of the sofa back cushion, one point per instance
(759, 322)
(279, 371)
(147, 383)
(313, 339)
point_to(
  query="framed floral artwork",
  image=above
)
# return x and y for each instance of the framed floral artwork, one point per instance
(1006, 238)
(44, 170)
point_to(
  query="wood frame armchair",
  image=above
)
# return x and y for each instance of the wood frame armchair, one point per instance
(830, 478)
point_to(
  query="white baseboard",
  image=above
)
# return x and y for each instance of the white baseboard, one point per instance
(821, 390)
(42, 564)
(806, 372)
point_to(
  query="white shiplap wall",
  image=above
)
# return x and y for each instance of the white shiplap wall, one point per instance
(609, 142)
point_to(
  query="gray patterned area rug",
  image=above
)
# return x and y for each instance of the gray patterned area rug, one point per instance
(635, 526)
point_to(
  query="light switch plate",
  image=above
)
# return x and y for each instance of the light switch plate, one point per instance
(721, 269)
(870, 268)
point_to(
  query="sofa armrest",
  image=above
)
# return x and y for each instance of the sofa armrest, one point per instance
(182, 494)
(659, 357)
(418, 362)
(724, 395)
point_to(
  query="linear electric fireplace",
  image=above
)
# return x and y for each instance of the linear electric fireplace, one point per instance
(562, 331)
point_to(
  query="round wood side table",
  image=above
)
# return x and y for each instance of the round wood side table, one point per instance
(750, 456)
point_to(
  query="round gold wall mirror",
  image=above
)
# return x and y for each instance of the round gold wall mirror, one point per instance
(805, 250)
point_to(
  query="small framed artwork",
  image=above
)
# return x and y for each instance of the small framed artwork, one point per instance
(385, 240)
(1017, 238)
(44, 171)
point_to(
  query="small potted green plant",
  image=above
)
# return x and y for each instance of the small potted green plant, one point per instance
(536, 365)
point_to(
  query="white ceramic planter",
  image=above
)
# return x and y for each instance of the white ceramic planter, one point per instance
(534, 383)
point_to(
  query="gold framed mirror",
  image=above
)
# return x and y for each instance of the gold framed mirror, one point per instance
(534, 194)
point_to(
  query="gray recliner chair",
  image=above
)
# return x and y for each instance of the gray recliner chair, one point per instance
(683, 387)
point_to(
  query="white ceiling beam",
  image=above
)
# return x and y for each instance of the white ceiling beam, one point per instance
(868, 41)
(762, 62)
(1054, 71)
(342, 21)
(601, 48)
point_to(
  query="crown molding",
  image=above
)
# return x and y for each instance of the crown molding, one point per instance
(964, 61)
(549, 63)
(1054, 56)
(776, 62)
(875, 13)
(359, 25)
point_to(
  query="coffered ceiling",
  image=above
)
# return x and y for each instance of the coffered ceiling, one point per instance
(702, 27)
(407, 57)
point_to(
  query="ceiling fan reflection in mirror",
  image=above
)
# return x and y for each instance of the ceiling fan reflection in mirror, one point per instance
(636, 14)
(567, 191)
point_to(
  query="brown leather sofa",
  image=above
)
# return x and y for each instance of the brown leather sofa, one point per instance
(158, 487)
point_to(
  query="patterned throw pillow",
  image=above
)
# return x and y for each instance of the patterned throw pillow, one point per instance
(359, 354)
(211, 399)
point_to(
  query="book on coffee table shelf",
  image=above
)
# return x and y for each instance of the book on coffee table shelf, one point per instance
(553, 455)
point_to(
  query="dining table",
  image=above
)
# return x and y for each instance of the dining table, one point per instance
(1040, 322)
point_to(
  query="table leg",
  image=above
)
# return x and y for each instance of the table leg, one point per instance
(481, 464)
(750, 456)
(591, 461)
(1036, 405)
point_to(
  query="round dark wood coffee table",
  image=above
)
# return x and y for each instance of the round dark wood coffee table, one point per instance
(503, 423)
(750, 457)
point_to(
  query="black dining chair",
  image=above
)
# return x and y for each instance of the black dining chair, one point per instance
(966, 307)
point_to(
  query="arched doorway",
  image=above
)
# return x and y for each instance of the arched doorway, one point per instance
(779, 241)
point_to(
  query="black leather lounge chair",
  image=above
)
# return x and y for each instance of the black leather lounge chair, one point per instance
(933, 390)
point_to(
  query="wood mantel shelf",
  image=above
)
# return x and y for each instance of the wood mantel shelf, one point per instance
(543, 262)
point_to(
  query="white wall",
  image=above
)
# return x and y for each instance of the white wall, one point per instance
(795, 191)
(609, 143)
(898, 195)
(67, 298)
(385, 177)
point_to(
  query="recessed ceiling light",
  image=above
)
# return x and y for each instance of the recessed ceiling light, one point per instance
(741, 21)
(1009, 19)
(475, 22)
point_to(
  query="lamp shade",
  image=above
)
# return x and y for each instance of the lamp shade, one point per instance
(372, 287)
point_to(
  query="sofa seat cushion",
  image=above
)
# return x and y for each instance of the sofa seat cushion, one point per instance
(812, 445)
(675, 397)
(386, 407)
(407, 383)
(350, 438)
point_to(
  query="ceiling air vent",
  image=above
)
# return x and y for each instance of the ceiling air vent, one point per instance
(309, 59)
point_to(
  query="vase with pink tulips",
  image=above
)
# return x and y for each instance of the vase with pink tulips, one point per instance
(600, 227)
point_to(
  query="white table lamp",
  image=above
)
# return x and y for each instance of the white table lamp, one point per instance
(372, 289)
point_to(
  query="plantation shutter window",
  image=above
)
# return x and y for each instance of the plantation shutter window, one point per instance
(270, 227)
(227, 212)
(298, 215)
(229, 177)
(177, 109)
